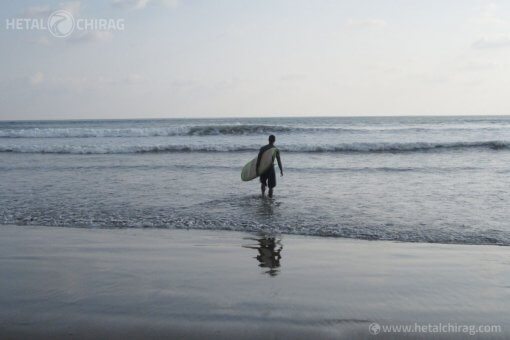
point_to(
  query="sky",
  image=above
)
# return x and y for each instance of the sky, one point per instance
(219, 58)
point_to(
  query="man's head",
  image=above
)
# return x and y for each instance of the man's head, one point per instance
(272, 139)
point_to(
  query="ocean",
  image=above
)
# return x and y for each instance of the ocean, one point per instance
(409, 179)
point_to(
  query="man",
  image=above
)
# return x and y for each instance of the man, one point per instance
(268, 178)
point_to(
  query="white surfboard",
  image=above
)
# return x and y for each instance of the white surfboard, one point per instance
(249, 171)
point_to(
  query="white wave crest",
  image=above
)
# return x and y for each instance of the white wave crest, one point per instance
(298, 148)
(207, 130)
(91, 132)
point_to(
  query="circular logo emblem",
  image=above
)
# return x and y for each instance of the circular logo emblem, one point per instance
(61, 24)
(374, 328)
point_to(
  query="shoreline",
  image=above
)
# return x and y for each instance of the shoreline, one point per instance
(269, 232)
(83, 283)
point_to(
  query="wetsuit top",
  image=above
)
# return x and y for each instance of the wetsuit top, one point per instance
(264, 149)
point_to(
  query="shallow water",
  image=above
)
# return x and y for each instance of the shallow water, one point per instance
(416, 179)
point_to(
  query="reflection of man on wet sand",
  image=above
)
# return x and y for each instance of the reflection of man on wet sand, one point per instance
(269, 254)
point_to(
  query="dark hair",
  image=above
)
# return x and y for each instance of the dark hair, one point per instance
(272, 138)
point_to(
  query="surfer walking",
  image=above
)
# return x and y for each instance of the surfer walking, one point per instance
(268, 178)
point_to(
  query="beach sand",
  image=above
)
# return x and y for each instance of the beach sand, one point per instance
(153, 283)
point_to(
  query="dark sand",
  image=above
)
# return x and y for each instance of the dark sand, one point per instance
(131, 283)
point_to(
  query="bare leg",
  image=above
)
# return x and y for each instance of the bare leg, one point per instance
(263, 189)
(270, 194)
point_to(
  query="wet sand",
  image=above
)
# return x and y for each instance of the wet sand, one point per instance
(133, 283)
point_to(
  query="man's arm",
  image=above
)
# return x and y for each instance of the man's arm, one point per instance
(279, 162)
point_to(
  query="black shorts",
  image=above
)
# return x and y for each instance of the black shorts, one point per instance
(269, 178)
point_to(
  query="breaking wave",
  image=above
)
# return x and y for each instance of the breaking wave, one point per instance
(297, 148)
(201, 130)
(198, 130)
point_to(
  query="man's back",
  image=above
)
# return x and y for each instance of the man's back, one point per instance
(268, 177)
(261, 152)
(265, 148)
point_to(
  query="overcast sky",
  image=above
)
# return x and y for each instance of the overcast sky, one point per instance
(192, 58)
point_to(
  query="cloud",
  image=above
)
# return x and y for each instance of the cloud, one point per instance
(293, 77)
(130, 4)
(133, 78)
(488, 15)
(477, 66)
(366, 23)
(37, 12)
(72, 7)
(130, 79)
(141, 4)
(429, 78)
(492, 42)
(43, 41)
(89, 82)
(36, 78)
(93, 37)
(170, 3)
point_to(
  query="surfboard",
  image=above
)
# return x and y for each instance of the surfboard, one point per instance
(249, 172)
